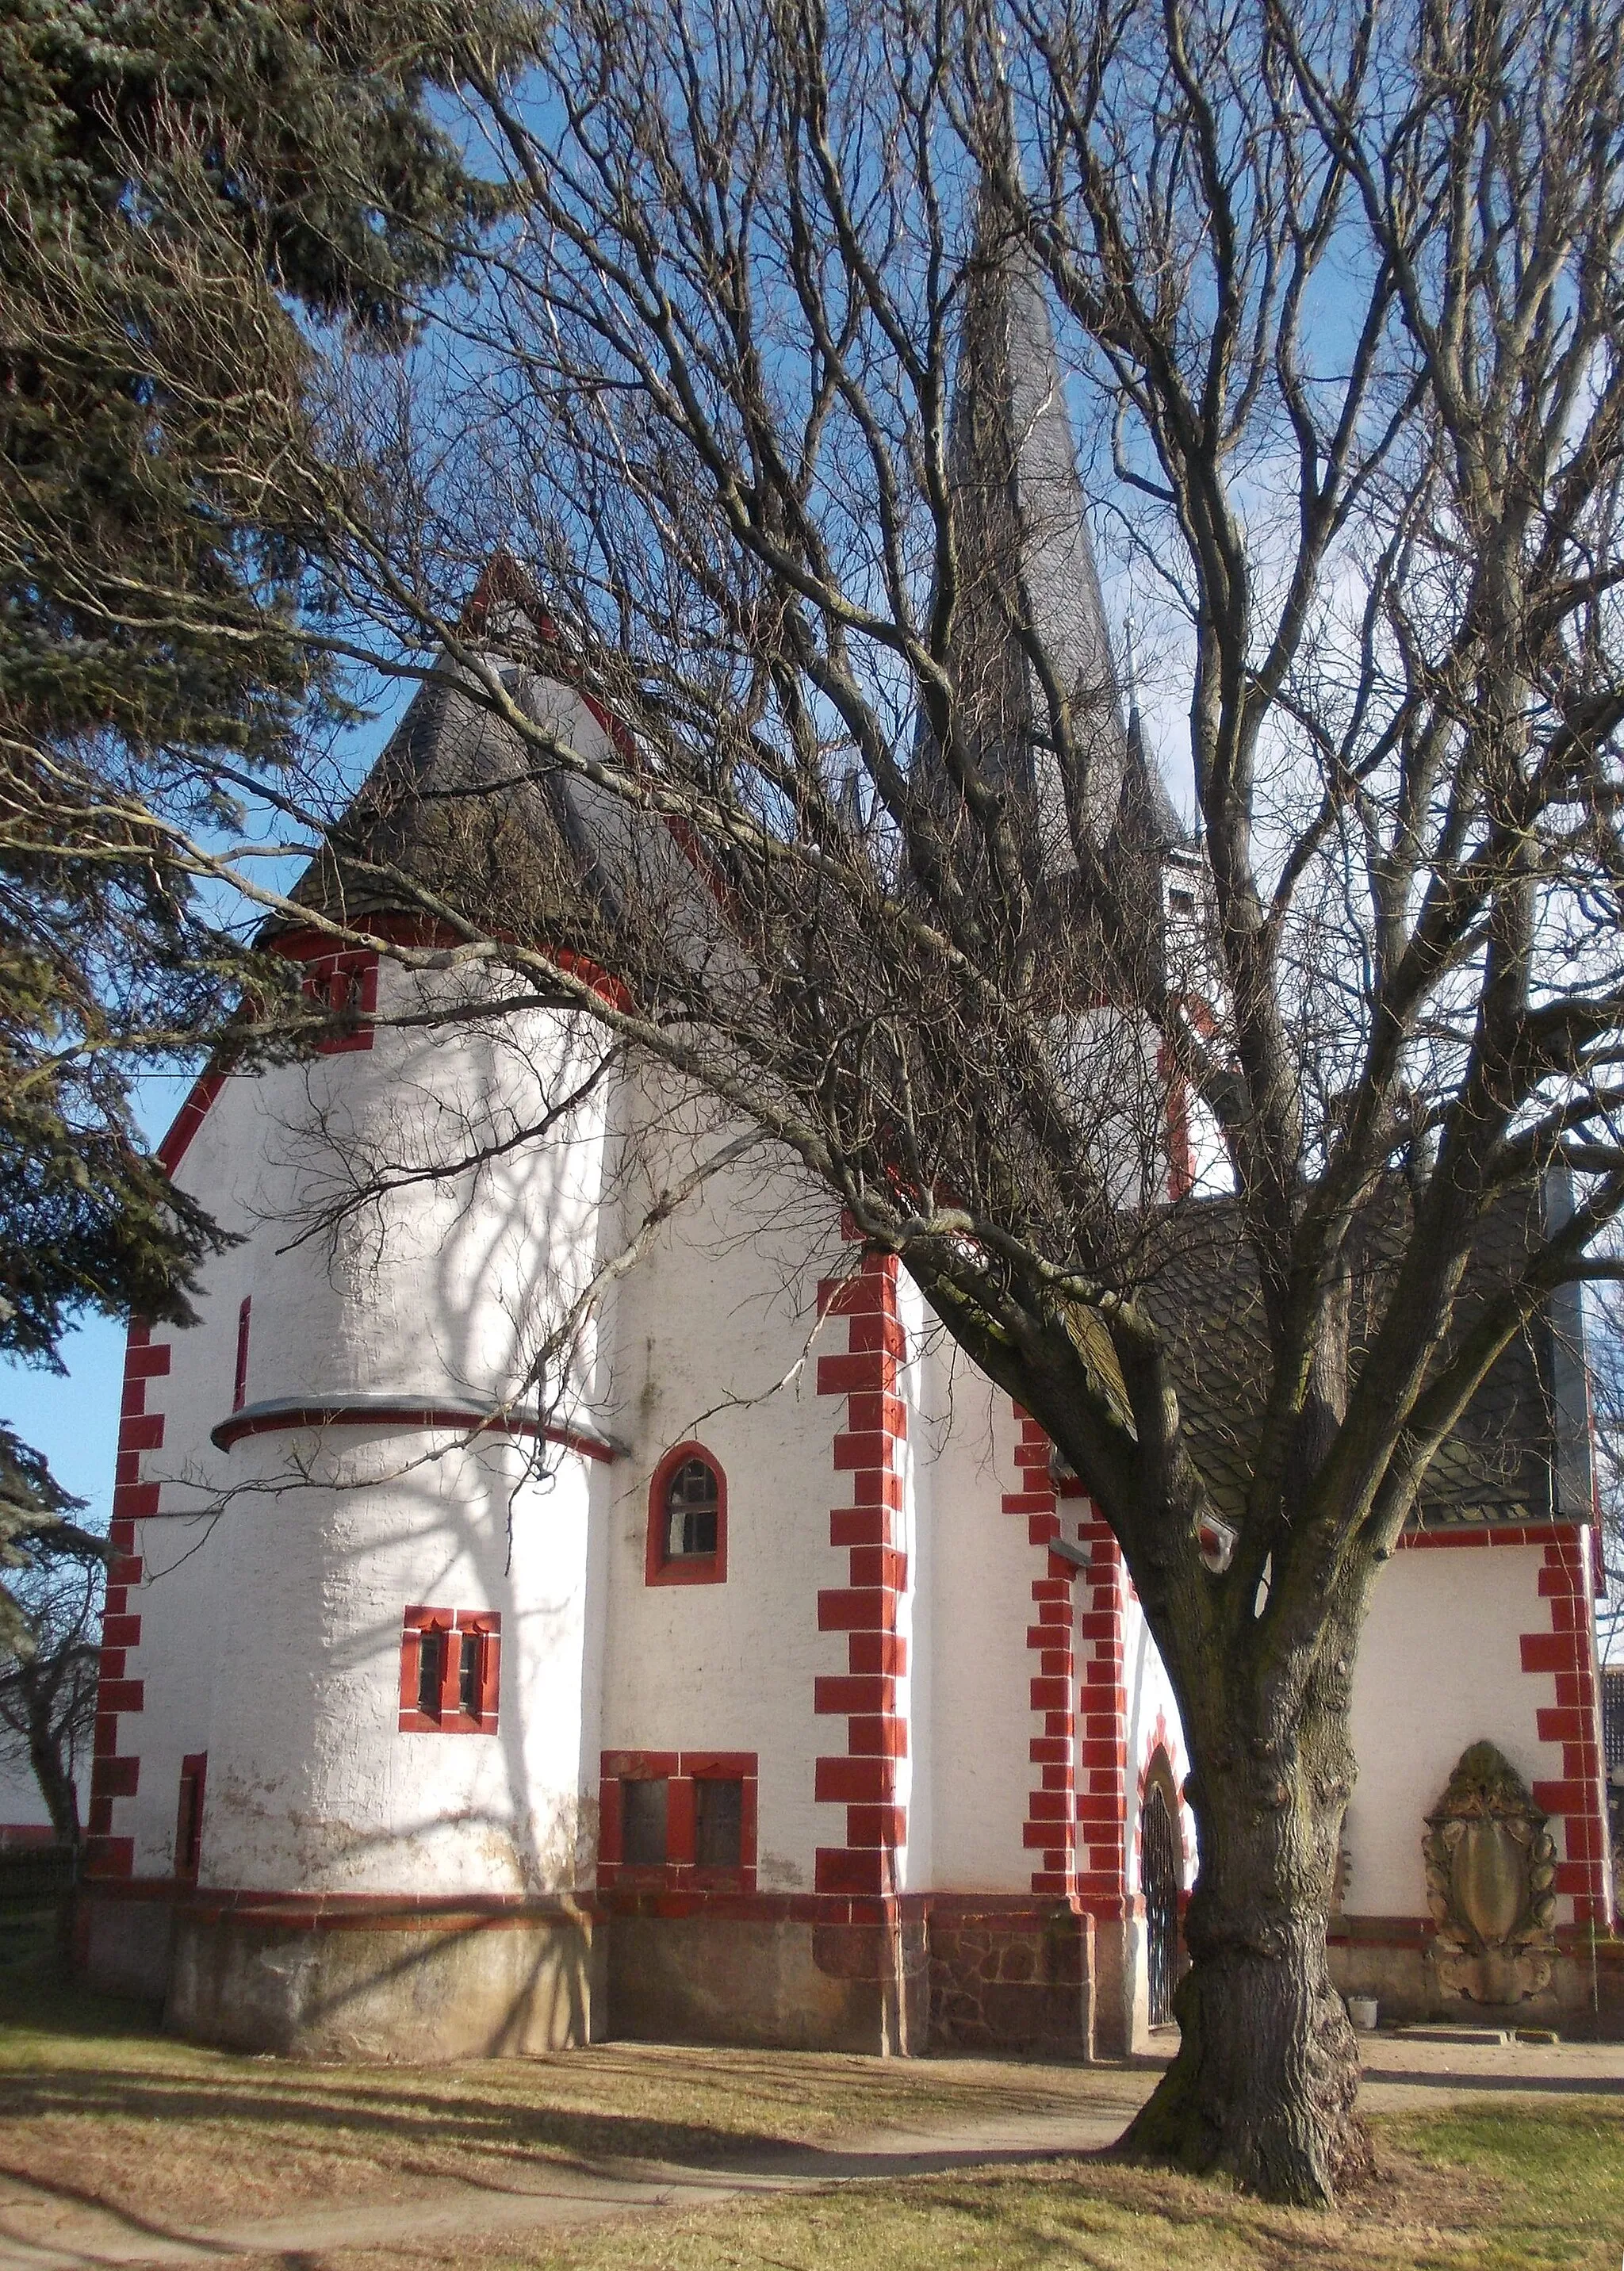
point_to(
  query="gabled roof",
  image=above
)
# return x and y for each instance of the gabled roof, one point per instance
(1520, 1454)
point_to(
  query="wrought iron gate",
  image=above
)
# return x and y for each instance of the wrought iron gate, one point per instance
(1158, 1877)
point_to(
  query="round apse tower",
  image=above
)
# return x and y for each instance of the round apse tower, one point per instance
(363, 1597)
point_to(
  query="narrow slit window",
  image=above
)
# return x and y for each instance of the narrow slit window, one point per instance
(430, 1672)
(718, 1822)
(189, 1820)
(239, 1384)
(643, 1823)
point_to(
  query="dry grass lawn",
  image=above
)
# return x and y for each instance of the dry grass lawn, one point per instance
(1479, 2193)
(99, 2107)
(96, 2102)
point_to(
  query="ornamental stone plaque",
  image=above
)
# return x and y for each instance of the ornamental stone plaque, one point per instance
(1490, 1864)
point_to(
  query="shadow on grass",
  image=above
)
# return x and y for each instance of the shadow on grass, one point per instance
(38, 1994)
(429, 2119)
(1504, 2085)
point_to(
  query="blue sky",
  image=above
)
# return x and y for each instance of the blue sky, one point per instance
(74, 1420)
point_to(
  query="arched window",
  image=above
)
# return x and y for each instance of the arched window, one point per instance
(688, 1519)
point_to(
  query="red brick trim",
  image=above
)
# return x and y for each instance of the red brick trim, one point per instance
(1421, 1933)
(1566, 1654)
(1485, 1533)
(352, 1911)
(863, 1777)
(1050, 1831)
(279, 1419)
(688, 1569)
(1102, 1748)
(413, 1911)
(450, 1719)
(310, 945)
(177, 1140)
(680, 1770)
(1181, 1148)
(114, 1776)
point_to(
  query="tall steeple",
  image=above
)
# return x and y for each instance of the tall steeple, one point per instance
(1028, 575)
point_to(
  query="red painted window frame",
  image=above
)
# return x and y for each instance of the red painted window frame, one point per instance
(450, 1718)
(689, 1568)
(680, 1771)
(344, 985)
(189, 1816)
(239, 1384)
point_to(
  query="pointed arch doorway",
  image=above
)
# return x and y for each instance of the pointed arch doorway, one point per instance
(1160, 1883)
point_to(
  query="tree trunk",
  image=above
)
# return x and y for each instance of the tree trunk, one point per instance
(1263, 2085)
(50, 1769)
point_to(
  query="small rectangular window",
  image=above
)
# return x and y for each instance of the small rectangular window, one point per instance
(643, 1823)
(450, 1671)
(346, 986)
(718, 1822)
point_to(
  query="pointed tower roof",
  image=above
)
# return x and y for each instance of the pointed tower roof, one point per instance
(1027, 560)
(1146, 809)
(462, 806)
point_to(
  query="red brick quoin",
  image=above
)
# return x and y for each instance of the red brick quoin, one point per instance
(139, 1431)
(1568, 1651)
(863, 1776)
(1075, 1815)
(111, 1775)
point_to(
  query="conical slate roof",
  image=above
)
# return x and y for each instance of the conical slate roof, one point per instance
(460, 805)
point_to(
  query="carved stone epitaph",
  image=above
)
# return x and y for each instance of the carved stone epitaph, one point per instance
(1490, 1864)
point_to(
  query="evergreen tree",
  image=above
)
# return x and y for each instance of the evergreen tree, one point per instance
(192, 201)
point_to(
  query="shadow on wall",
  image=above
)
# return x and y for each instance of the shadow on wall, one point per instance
(390, 1986)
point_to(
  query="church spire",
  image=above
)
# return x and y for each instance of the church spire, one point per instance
(1027, 562)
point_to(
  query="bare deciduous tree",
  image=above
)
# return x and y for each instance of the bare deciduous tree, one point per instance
(1338, 289)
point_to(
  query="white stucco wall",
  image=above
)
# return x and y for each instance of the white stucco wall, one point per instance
(277, 1573)
(716, 1340)
(982, 1608)
(1439, 1668)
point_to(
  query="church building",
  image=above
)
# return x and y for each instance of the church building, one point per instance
(776, 1684)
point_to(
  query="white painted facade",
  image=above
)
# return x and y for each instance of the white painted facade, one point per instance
(976, 1722)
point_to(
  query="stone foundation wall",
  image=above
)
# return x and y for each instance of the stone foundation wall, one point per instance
(363, 1980)
(1007, 1979)
(425, 1981)
(782, 1982)
(1584, 1997)
(122, 1943)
